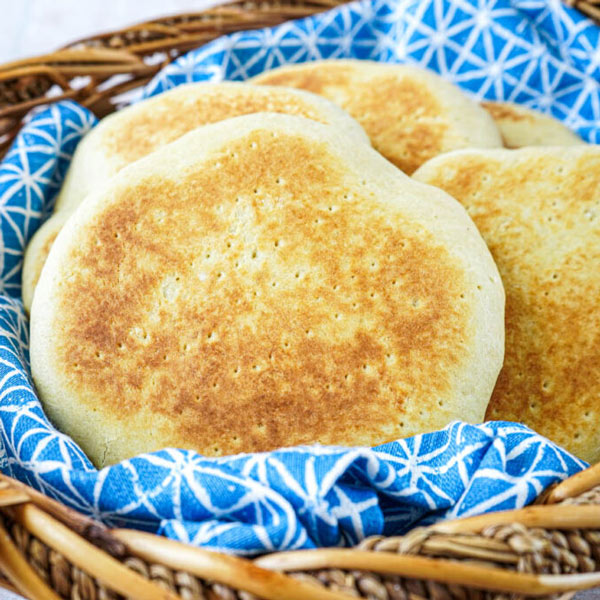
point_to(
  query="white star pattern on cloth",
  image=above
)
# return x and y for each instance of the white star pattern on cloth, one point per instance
(541, 54)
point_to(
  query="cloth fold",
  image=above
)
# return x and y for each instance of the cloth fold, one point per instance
(542, 54)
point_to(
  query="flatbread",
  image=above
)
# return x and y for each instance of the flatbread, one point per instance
(538, 210)
(138, 130)
(37, 252)
(521, 126)
(410, 114)
(264, 282)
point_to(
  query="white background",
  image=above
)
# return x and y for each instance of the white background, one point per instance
(31, 27)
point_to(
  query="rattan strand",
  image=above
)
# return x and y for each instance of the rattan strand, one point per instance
(70, 582)
(590, 8)
(590, 497)
(513, 547)
(7, 585)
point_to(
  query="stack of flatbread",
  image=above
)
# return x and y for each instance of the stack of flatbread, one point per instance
(236, 267)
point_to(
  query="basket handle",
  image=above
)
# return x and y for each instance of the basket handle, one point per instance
(420, 567)
(238, 573)
(576, 485)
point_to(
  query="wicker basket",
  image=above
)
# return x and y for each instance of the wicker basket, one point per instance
(50, 551)
(553, 548)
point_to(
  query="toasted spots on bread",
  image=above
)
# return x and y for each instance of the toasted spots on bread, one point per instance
(170, 120)
(539, 211)
(265, 320)
(264, 282)
(140, 129)
(411, 115)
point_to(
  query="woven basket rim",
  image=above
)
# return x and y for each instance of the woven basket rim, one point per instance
(461, 553)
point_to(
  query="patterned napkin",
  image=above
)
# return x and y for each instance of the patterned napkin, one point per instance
(535, 52)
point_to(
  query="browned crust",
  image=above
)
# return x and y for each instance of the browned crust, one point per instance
(400, 115)
(506, 112)
(539, 216)
(149, 129)
(260, 301)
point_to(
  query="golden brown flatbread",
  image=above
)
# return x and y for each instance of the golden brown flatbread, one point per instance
(410, 114)
(539, 211)
(138, 130)
(521, 126)
(37, 252)
(264, 282)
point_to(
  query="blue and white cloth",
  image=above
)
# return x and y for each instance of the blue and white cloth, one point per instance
(535, 52)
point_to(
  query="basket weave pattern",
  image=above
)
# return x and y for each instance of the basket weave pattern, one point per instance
(523, 547)
(561, 537)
